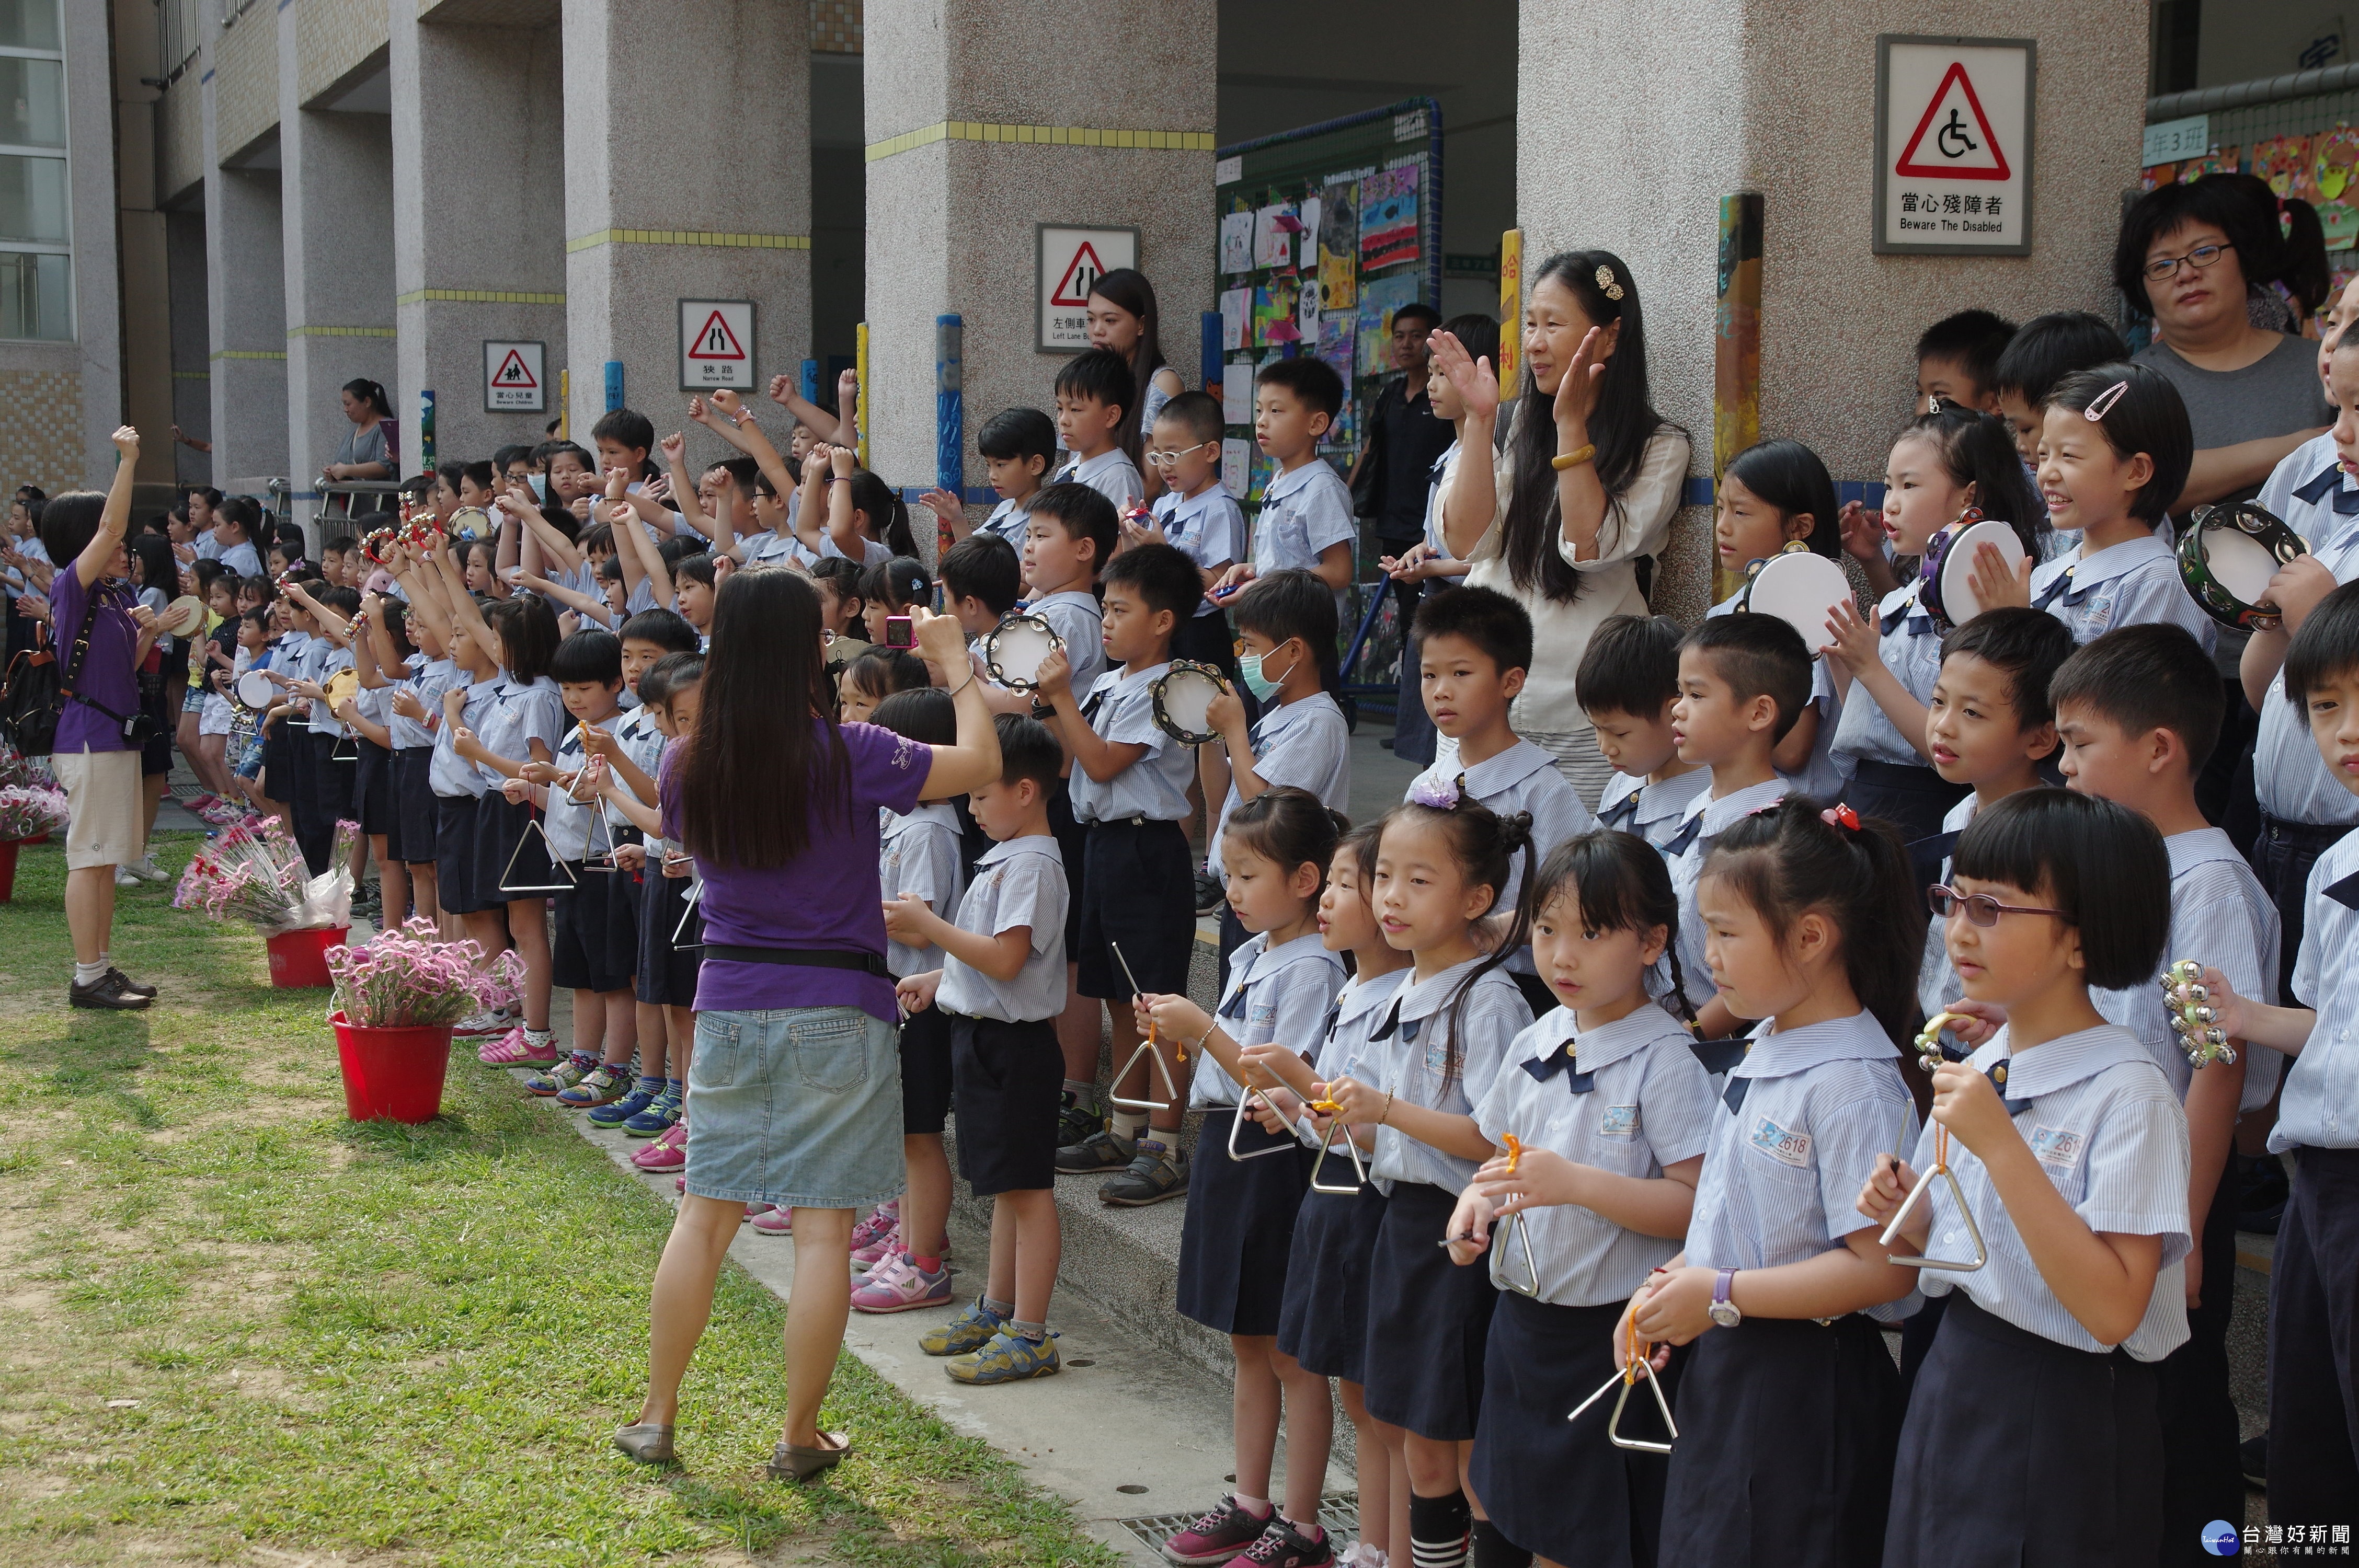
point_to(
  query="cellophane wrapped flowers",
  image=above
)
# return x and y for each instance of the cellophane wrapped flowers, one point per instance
(254, 872)
(408, 977)
(29, 810)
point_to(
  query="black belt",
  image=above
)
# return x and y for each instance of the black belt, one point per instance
(801, 958)
(2320, 836)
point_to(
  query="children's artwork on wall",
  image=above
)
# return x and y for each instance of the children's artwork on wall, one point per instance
(1274, 307)
(2333, 156)
(1389, 230)
(2284, 162)
(1236, 459)
(1306, 309)
(1236, 311)
(1338, 337)
(1306, 239)
(1237, 393)
(1264, 470)
(1236, 242)
(1378, 300)
(1339, 245)
(1273, 242)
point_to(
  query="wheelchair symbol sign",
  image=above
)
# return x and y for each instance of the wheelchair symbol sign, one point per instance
(1963, 145)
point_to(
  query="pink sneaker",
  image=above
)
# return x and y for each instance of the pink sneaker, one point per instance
(668, 1153)
(516, 1049)
(756, 1212)
(902, 1286)
(774, 1221)
(879, 1223)
(886, 1246)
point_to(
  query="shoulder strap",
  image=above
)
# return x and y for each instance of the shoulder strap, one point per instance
(82, 648)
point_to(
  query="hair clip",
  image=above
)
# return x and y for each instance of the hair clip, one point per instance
(1840, 815)
(2103, 404)
(1612, 290)
(1438, 795)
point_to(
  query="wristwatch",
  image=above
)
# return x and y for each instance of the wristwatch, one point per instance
(1723, 1311)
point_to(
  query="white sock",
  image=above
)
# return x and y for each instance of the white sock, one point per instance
(1129, 1124)
(90, 974)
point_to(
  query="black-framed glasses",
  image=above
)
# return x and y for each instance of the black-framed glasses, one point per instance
(2162, 267)
(1979, 907)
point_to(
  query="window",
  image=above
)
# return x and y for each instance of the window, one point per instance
(36, 230)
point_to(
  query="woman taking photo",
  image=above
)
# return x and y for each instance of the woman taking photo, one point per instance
(1585, 489)
(795, 1085)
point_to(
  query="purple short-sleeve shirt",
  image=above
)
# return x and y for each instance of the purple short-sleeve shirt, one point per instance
(107, 676)
(828, 898)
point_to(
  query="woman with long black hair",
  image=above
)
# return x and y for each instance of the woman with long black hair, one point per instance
(795, 1085)
(1584, 491)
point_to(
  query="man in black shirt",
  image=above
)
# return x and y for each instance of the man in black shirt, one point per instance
(1389, 483)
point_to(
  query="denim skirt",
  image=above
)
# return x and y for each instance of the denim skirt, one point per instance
(798, 1107)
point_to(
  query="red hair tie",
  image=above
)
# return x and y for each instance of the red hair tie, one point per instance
(1840, 815)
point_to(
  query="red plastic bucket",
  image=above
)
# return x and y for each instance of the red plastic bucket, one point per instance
(8, 847)
(299, 959)
(392, 1074)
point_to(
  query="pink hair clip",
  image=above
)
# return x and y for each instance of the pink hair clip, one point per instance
(2103, 404)
(1840, 815)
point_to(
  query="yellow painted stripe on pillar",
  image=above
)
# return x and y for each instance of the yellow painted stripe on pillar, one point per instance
(687, 237)
(1046, 135)
(478, 297)
(340, 332)
(248, 354)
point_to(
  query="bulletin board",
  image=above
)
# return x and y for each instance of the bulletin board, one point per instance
(1324, 233)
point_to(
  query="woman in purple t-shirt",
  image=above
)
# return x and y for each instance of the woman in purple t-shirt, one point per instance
(795, 1086)
(96, 762)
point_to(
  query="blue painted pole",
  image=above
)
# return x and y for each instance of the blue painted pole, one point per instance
(811, 380)
(614, 384)
(1211, 351)
(950, 414)
(426, 428)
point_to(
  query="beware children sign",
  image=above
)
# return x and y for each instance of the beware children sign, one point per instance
(513, 380)
(716, 345)
(1068, 264)
(1953, 133)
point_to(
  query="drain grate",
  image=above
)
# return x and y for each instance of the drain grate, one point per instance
(1339, 1513)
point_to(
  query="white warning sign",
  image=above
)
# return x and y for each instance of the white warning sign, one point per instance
(513, 380)
(1954, 144)
(716, 344)
(1069, 263)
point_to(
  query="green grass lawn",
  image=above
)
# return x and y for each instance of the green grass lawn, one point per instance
(237, 1327)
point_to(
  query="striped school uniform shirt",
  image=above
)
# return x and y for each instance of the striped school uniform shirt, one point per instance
(2320, 1108)
(2126, 584)
(1651, 811)
(1702, 824)
(1417, 1031)
(1276, 995)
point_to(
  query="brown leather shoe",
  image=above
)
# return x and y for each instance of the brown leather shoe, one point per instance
(136, 988)
(792, 1461)
(110, 992)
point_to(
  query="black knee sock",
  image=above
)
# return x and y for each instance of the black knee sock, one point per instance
(1437, 1530)
(1493, 1550)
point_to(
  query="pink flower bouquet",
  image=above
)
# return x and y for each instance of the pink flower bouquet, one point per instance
(406, 978)
(254, 872)
(29, 810)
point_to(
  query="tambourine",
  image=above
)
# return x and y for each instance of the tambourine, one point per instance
(1016, 648)
(256, 690)
(469, 523)
(1799, 588)
(2188, 1000)
(2226, 559)
(1941, 584)
(1184, 701)
(183, 615)
(346, 683)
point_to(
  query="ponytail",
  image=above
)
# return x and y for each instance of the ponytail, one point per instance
(1483, 843)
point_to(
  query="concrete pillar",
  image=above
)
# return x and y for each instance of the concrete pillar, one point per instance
(688, 177)
(1707, 101)
(192, 408)
(245, 309)
(972, 143)
(479, 175)
(336, 188)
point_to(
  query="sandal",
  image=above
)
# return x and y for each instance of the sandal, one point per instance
(792, 1461)
(650, 1443)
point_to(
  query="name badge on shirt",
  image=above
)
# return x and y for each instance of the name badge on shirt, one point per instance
(2101, 614)
(2055, 1146)
(1262, 1015)
(1619, 1122)
(1786, 1148)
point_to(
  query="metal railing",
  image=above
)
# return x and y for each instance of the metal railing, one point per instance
(179, 37)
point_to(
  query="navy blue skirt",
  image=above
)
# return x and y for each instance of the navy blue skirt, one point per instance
(2023, 1452)
(1238, 1238)
(1786, 1429)
(412, 835)
(372, 789)
(454, 855)
(1559, 1487)
(1431, 1318)
(666, 969)
(1324, 1322)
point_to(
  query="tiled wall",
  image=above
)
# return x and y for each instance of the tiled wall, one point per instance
(40, 429)
(332, 37)
(246, 80)
(835, 25)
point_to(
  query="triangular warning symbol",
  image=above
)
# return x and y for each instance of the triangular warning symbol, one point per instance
(515, 372)
(714, 340)
(1081, 275)
(1960, 150)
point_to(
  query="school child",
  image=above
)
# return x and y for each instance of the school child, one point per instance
(1322, 1321)
(1440, 865)
(1612, 1111)
(1305, 523)
(624, 437)
(2031, 1434)
(889, 589)
(1957, 361)
(920, 859)
(1237, 1242)
(672, 944)
(2114, 447)
(1094, 420)
(232, 536)
(1128, 793)
(1019, 447)
(1773, 494)
(1743, 680)
(306, 662)
(1629, 680)
(2043, 352)
(1002, 983)
(1941, 464)
(864, 519)
(2313, 1453)
(1198, 516)
(255, 652)
(874, 677)
(218, 668)
(842, 611)
(368, 714)
(1286, 629)
(1787, 1415)
(465, 696)
(335, 552)
(983, 579)
(2139, 710)
(1476, 646)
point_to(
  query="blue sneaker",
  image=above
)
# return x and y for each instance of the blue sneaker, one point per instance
(614, 1113)
(657, 1117)
(971, 1330)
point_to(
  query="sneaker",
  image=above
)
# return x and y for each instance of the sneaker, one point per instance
(756, 1212)
(971, 1330)
(884, 1246)
(1157, 1173)
(124, 879)
(1102, 1151)
(668, 1153)
(902, 1286)
(1075, 1123)
(607, 1081)
(518, 1048)
(1218, 1534)
(1283, 1546)
(110, 992)
(2253, 1454)
(136, 988)
(775, 1221)
(616, 1112)
(558, 1079)
(882, 1220)
(1211, 893)
(1006, 1358)
(495, 1021)
(1360, 1554)
(658, 1115)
